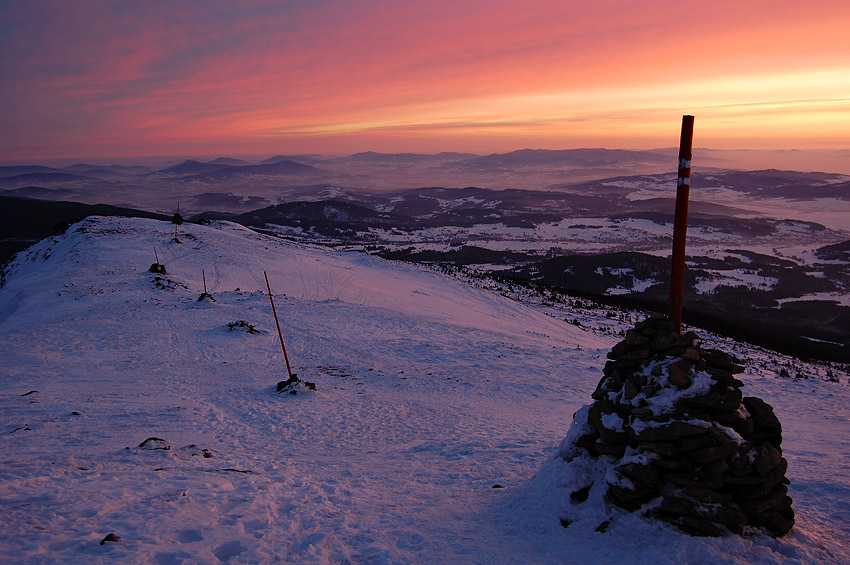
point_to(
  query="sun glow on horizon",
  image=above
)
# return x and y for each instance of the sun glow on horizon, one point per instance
(341, 79)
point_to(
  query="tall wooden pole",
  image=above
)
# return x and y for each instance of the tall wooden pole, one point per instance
(279, 333)
(680, 221)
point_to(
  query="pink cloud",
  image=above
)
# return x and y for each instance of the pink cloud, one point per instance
(88, 73)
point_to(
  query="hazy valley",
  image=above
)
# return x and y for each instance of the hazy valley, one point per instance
(768, 250)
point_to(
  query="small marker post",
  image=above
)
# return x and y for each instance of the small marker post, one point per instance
(277, 323)
(680, 221)
(156, 255)
(204, 276)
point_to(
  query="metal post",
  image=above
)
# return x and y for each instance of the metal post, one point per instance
(680, 221)
(279, 333)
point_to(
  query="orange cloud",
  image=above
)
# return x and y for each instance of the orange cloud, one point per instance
(343, 76)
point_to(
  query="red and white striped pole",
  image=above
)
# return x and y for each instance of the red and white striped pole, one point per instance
(680, 221)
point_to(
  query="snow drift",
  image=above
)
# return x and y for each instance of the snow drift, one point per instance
(138, 426)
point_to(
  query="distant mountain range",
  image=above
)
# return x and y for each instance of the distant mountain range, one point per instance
(753, 244)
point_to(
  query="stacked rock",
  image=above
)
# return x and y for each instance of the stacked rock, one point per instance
(671, 419)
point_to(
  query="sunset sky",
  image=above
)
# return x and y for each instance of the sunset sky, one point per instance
(96, 79)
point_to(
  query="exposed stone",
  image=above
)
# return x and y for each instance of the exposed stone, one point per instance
(580, 495)
(671, 431)
(674, 464)
(633, 337)
(767, 457)
(641, 474)
(766, 423)
(708, 496)
(667, 340)
(665, 449)
(711, 454)
(718, 450)
(716, 468)
(698, 527)
(691, 443)
(707, 400)
(678, 373)
(691, 354)
(636, 354)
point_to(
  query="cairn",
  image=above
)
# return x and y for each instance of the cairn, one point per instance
(683, 442)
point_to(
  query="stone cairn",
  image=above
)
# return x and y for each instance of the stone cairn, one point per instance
(681, 436)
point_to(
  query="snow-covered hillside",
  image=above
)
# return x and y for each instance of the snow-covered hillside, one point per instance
(430, 438)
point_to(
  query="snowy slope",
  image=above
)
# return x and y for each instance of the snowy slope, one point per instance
(430, 393)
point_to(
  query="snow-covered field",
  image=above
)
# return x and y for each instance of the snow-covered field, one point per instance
(430, 438)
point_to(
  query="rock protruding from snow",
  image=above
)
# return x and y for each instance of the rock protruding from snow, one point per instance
(683, 443)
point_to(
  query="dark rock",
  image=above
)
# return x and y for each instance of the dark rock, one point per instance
(675, 506)
(756, 490)
(630, 499)
(726, 417)
(697, 527)
(764, 420)
(671, 431)
(630, 389)
(635, 338)
(716, 468)
(580, 495)
(723, 377)
(718, 359)
(663, 448)
(705, 401)
(678, 373)
(767, 457)
(155, 443)
(643, 475)
(708, 496)
(692, 479)
(707, 455)
(697, 442)
(612, 449)
(636, 355)
(729, 400)
(744, 426)
(588, 443)
(674, 464)
(769, 503)
(731, 518)
(283, 386)
(706, 478)
(603, 527)
(661, 323)
(667, 340)
(778, 523)
(618, 350)
(110, 537)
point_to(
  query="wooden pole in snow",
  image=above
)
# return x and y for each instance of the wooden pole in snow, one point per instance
(204, 276)
(277, 323)
(156, 255)
(680, 221)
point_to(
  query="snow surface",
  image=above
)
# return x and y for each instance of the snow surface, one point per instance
(430, 393)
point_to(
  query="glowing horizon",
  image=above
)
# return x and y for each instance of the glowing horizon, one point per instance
(116, 79)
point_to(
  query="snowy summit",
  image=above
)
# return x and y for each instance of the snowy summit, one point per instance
(141, 424)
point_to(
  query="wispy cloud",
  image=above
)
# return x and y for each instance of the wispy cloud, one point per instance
(86, 75)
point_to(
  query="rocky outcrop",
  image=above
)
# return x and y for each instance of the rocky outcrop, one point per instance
(685, 446)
